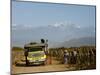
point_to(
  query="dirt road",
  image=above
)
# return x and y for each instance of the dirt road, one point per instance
(55, 66)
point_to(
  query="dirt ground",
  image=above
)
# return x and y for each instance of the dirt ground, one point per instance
(52, 65)
(49, 67)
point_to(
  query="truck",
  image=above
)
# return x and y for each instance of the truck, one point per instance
(35, 53)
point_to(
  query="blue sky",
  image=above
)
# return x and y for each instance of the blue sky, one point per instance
(40, 14)
(35, 15)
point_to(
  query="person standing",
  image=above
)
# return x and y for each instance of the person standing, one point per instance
(66, 54)
(26, 54)
(75, 56)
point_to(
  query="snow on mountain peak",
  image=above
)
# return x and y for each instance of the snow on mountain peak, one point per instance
(65, 25)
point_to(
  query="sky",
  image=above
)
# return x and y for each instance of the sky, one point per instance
(54, 21)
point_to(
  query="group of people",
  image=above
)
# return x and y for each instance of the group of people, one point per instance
(70, 57)
(77, 57)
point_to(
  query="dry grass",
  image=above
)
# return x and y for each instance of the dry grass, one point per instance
(17, 55)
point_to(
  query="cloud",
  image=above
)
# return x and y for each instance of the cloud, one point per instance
(27, 26)
(57, 24)
(66, 25)
(14, 25)
(78, 26)
(20, 26)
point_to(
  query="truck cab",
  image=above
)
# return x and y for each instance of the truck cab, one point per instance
(35, 54)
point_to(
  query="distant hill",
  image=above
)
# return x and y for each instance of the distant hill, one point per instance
(54, 33)
(84, 41)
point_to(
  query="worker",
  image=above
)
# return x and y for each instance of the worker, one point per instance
(74, 56)
(66, 55)
(26, 54)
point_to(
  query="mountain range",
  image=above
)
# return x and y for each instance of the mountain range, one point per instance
(83, 41)
(57, 34)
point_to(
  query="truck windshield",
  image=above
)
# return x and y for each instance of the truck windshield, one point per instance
(35, 49)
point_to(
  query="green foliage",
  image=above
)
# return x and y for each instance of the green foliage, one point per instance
(17, 49)
(85, 58)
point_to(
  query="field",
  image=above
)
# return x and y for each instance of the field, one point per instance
(85, 59)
